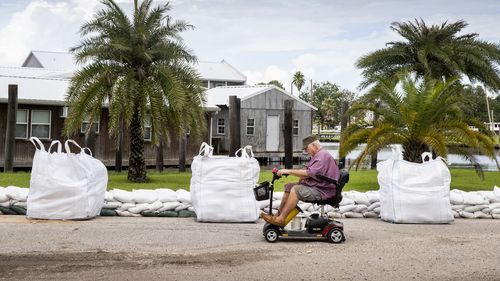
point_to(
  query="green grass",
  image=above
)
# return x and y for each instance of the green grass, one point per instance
(463, 179)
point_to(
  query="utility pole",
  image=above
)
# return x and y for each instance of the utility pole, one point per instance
(10, 134)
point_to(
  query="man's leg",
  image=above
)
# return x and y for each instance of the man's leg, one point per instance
(283, 200)
(287, 205)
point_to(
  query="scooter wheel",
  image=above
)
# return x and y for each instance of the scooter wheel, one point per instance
(271, 235)
(336, 236)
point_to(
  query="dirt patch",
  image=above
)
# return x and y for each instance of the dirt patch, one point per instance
(21, 266)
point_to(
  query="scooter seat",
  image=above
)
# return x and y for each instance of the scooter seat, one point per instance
(334, 201)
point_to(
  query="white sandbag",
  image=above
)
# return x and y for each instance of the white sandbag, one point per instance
(168, 206)
(222, 186)
(474, 198)
(370, 215)
(481, 215)
(5, 204)
(126, 206)
(182, 206)
(278, 195)
(413, 192)
(360, 208)
(494, 206)
(303, 206)
(154, 206)
(311, 209)
(373, 206)
(111, 205)
(373, 196)
(495, 216)
(466, 215)
(474, 208)
(346, 201)
(191, 208)
(166, 195)
(456, 197)
(490, 196)
(486, 210)
(458, 207)
(377, 210)
(352, 215)
(346, 208)
(65, 185)
(123, 196)
(496, 191)
(108, 197)
(276, 203)
(142, 196)
(455, 214)
(183, 196)
(334, 214)
(23, 204)
(329, 208)
(495, 211)
(3, 196)
(126, 214)
(16, 193)
(358, 197)
(138, 208)
(262, 204)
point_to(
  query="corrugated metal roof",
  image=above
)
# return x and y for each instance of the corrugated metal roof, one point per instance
(220, 95)
(214, 71)
(35, 90)
(219, 71)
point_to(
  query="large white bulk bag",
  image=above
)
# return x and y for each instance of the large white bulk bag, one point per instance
(222, 186)
(414, 192)
(65, 185)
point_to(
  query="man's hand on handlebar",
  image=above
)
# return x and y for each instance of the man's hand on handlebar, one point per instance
(283, 172)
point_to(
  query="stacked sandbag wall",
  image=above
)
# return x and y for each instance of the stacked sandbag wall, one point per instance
(169, 203)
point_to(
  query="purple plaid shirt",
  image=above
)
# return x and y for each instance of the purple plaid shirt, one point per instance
(322, 163)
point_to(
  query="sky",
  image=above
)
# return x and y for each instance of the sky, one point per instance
(264, 39)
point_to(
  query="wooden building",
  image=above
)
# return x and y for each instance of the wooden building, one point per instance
(261, 117)
(42, 85)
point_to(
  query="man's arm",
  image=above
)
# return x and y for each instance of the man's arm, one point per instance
(302, 173)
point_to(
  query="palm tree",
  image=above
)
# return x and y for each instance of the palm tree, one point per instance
(298, 80)
(421, 114)
(436, 51)
(142, 70)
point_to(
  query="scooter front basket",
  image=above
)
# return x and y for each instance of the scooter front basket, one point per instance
(261, 191)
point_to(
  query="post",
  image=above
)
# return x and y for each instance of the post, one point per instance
(10, 134)
(288, 134)
(374, 159)
(119, 147)
(343, 125)
(159, 155)
(182, 152)
(234, 125)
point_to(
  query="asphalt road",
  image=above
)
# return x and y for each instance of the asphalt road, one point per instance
(114, 248)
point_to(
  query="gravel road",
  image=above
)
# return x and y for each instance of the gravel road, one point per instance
(118, 248)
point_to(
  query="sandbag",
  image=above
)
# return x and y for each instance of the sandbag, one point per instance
(65, 185)
(413, 192)
(222, 187)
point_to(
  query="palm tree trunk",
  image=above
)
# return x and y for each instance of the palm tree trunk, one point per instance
(137, 166)
(412, 151)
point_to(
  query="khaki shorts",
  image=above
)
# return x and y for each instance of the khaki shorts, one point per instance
(306, 193)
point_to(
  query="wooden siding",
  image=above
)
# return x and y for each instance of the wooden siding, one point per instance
(104, 146)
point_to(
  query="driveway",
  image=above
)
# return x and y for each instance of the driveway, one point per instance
(126, 248)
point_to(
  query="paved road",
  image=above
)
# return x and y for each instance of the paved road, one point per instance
(113, 248)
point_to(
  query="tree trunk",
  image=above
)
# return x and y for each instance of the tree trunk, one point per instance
(412, 151)
(137, 166)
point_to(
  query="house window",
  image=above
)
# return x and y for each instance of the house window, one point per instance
(86, 123)
(221, 128)
(40, 124)
(22, 124)
(295, 129)
(250, 127)
(147, 128)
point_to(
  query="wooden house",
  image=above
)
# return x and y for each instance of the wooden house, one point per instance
(261, 117)
(42, 85)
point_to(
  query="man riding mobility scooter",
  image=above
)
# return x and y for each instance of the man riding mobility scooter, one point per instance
(317, 226)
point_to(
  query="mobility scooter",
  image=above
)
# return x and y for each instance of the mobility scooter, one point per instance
(317, 226)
